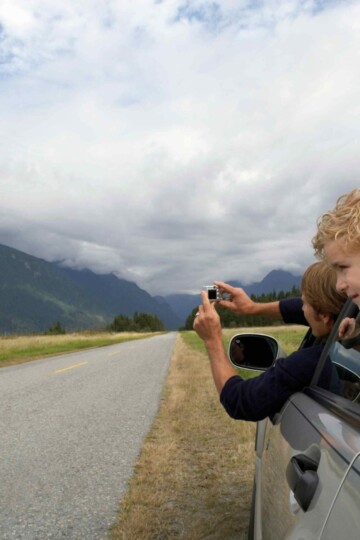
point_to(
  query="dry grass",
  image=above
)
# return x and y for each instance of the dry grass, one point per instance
(194, 476)
(12, 342)
(18, 349)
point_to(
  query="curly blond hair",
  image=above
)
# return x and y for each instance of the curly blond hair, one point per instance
(341, 223)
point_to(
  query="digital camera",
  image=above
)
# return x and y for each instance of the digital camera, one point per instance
(213, 293)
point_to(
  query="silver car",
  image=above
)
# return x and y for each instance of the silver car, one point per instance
(307, 469)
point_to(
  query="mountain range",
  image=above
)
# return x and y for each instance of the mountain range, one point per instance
(275, 281)
(34, 294)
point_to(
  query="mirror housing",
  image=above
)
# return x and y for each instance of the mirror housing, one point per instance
(254, 351)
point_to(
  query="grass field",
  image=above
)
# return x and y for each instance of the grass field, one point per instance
(18, 349)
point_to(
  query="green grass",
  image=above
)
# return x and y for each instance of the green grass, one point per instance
(22, 348)
(192, 339)
(289, 338)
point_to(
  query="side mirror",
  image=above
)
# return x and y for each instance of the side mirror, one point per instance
(254, 351)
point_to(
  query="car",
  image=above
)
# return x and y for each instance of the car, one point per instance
(307, 457)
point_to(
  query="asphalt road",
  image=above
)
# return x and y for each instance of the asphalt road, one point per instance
(71, 428)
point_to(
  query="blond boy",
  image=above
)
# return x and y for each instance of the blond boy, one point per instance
(338, 242)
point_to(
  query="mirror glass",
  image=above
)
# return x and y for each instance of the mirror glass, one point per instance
(253, 351)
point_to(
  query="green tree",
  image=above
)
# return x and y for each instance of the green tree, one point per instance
(55, 330)
(146, 322)
(142, 322)
(121, 323)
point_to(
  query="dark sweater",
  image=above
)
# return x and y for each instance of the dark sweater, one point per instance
(292, 312)
(262, 396)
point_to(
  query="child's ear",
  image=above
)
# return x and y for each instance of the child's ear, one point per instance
(328, 320)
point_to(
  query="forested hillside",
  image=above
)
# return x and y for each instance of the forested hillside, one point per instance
(35, 294)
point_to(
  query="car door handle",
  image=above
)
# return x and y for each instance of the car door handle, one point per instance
(303, 479)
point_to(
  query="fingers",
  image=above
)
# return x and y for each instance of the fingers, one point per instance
(224, 286)
(206, 308)
(342, 328)
(207, 321)
(202, 307)
(228, 304)
(205, 300)
(346, 328)
(227, 301)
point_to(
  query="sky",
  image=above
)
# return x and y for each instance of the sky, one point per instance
(176, 142)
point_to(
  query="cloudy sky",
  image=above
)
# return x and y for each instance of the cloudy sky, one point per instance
(174, 142)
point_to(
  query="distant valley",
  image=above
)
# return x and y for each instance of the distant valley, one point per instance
(34, 294)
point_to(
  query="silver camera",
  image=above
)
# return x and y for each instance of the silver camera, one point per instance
(213, 293)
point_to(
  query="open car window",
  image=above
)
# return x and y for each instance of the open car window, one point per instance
(345, 359)
(347, 365)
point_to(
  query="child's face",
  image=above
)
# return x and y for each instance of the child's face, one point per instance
(320, 325)
(347, 266)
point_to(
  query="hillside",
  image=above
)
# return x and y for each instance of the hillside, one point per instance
(34, 294)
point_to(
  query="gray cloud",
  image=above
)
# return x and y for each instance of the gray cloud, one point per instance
(173, 143)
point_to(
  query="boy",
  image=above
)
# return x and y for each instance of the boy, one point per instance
(262, 396)
(338, 242)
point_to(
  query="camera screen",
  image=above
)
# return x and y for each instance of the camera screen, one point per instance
(212, 295)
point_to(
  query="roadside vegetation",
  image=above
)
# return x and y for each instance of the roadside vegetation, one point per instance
(18, 349)
(193, 479)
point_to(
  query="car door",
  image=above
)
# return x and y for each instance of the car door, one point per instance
(307, 483)
(347, 498)
(305, 429)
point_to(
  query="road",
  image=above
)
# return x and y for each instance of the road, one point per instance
(71, 428)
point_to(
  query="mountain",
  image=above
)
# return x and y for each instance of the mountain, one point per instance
(183, 304)
(113, 296)
(34, 294)
(276, 280)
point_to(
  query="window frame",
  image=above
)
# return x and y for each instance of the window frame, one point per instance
(343, 408)
(349, 310)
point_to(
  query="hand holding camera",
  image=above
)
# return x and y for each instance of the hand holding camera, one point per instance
(213, 293)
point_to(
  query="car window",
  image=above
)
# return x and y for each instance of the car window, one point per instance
(347, 364)
(345, 361)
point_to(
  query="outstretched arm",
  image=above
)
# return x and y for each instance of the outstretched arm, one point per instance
(241, 304)
(208, 327)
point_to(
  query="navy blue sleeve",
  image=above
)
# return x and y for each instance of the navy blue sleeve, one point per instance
(291, 311)
(265, 395)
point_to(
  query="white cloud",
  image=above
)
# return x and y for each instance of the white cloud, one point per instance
(176, 142)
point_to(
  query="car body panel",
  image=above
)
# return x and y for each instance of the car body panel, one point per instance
(348, 497)
(325, 428)
(293, 434)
